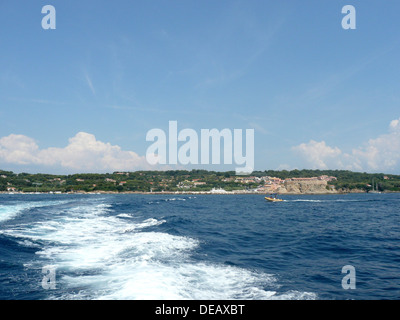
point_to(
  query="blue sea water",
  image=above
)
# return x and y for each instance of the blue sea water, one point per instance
(217, 247)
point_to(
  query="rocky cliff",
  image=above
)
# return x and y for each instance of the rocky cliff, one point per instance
(305, 187)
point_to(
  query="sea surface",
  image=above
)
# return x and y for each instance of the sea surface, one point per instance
(214, 247)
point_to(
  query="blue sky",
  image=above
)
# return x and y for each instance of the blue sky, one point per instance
(82, 97)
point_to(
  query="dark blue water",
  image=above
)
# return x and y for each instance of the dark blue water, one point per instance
(199, 247)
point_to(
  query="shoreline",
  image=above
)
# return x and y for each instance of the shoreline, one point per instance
(186, 193)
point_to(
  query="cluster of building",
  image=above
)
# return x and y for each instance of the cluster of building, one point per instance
(265, 183)
(248, 183)
(274, 180)
(190, 184)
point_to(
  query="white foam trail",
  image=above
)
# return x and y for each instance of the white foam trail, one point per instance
(325, 200)
(199, 281)
(98, 255)
(295, 295)
(304, 200)
(124, 215)
(10, 211)
(147, 223)
(170, 199)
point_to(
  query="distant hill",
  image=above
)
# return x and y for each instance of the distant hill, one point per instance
(195, 180)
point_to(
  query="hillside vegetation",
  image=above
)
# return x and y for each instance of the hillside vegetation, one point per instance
(182, 180)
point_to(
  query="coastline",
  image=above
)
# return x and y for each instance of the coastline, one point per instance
(198, 182)
(185, 193)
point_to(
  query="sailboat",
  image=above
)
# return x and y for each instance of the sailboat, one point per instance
(374, 188)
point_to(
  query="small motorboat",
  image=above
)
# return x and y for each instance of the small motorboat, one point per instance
(273, 198)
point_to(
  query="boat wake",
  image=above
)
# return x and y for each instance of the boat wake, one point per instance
(102, 254)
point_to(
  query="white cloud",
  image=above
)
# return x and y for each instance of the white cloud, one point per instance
(379, 154)
(394, 124)
(83, 153)
(318, 154)
(18, 149)
(284, 166)
(382, 152)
